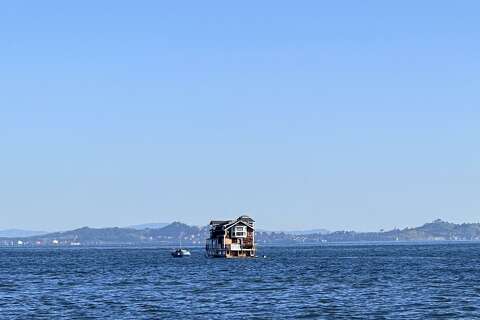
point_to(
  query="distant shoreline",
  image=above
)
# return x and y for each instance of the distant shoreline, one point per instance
(176, 233)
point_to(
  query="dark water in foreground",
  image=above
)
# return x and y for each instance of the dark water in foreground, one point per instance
(432, 281)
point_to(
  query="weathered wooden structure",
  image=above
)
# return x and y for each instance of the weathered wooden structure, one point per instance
(231, 238)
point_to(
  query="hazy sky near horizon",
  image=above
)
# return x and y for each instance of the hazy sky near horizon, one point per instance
(312, 114)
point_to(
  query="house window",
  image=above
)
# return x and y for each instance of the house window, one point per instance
(240, 232)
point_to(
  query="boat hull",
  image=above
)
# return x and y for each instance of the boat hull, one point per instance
(181, 253)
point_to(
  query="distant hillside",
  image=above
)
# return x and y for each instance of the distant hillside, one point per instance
(296, 232)
(148, 226)
(175, 233)
(178, 230)
(171, 234)
(436, 230)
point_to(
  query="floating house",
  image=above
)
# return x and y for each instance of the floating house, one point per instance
(231, 238)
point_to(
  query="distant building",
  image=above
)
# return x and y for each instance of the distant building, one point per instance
(231, 238)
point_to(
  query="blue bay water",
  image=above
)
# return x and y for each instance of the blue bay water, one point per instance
(383, 281)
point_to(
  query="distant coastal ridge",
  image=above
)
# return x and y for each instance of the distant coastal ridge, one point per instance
(171, 234)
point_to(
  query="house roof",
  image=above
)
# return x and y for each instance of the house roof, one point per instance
(246, 222)
(227, 224)
(219, 222)
(246, 218)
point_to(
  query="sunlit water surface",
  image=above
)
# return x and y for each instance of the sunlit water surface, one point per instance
(325, 282)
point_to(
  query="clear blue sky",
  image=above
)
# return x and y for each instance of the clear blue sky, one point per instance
(343, 114)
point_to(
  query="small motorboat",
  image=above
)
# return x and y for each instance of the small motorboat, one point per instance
(181, 253)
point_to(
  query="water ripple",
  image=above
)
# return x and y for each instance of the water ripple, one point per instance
(438, 281)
